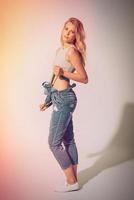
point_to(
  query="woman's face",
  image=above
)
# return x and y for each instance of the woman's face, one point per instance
(69, 33)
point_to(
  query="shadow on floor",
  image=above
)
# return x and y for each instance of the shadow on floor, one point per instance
(119, 150)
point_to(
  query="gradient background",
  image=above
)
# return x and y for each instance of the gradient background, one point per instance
(104, 117)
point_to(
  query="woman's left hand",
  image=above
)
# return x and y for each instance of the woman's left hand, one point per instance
(57, 70)
(42, 107)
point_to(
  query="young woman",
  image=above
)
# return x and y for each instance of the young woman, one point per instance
(68, 64)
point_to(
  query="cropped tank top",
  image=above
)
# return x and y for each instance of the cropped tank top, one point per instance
(61, 61)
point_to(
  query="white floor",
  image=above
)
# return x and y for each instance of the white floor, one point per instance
(101, 180)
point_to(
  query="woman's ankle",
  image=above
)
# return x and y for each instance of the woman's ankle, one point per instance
(71, 181)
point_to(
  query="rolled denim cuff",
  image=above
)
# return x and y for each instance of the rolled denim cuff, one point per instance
(47, 87)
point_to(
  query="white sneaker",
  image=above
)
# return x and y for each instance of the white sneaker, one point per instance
(68, 187)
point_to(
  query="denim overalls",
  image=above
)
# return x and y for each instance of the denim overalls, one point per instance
(61, 126)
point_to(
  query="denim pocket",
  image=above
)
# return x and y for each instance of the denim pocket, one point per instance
(69, 96)
(64, 101)
(69, 100)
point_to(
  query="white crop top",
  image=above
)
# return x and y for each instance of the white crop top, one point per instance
(61, 61)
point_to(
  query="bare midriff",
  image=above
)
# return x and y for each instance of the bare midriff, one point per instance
(61, 84)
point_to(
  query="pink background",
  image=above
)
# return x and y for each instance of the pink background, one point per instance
(103, 120)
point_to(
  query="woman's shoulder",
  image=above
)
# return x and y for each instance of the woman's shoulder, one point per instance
(73, 50)
(70, 49)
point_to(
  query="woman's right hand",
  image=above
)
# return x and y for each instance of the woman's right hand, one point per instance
(42, 107)
(57, 70)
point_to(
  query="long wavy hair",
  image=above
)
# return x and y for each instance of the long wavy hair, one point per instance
(80, 37)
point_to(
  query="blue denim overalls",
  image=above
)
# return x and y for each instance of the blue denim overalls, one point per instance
(61, 125)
